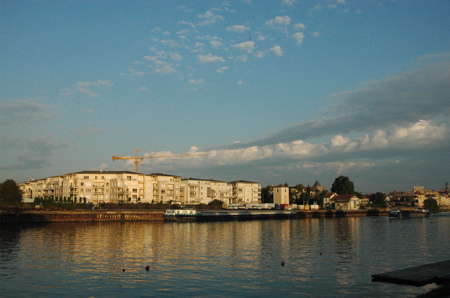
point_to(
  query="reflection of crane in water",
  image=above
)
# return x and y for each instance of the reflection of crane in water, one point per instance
(137, 159)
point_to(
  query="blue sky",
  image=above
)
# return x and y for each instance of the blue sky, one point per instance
(273, 91)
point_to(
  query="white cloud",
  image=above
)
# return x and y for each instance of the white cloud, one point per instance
(277, 50)
(165, 69)
(247, 46)
(143, 88)
(288, 2)
(209, 18)
(260, 54)
(175, 56)
(86, 87)
(242, 58)
(316, 34)
(167, 42)
(299, 26)
(298, 36)
(241, 82)
(196, 82)
(150, 58)
(295, 150)
(222, 69)
(216, 44)
(187, 23)
(209, 58)
(261, 37)
(279, 21)
(415, 135)
(238, 28)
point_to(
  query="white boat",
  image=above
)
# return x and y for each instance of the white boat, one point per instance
(182, 214)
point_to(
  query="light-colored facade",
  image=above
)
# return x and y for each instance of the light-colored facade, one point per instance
(202, 191)
(281, 194)
(245, 192)
(345, 202)
(99, 187)
(160, 187)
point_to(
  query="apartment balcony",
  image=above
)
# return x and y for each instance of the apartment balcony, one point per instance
(122, 191)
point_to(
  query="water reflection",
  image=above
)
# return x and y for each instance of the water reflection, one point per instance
(323, 257)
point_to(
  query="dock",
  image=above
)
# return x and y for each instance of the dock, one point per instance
(418, 276)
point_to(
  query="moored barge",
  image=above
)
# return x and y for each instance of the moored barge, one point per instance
(215, 215)
(397, 213)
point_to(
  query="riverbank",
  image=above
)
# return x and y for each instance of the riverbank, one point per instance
(154, 215)
(81, 216)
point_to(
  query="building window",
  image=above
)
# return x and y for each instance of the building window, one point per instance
(134, 190)
(86, 177)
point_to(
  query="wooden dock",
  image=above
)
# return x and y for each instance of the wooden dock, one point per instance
(418, 276)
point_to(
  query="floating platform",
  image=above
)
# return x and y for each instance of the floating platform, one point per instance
(418, 276)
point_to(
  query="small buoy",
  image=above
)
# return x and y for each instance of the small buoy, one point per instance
(123, 270)
(147, 267)
(282, 263)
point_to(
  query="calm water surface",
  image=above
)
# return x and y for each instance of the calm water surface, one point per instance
(323, 257)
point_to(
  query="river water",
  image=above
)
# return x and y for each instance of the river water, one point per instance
(326, 257)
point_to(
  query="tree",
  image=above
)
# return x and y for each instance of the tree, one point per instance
(343, 186)
(431, 205)
(266, 194)
(10, 193)
(377, 199)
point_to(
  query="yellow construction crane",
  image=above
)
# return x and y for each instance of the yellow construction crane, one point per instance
(138, 159)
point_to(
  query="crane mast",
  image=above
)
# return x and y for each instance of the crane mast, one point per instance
(137, 159)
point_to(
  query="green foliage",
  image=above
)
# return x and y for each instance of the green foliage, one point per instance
(431, 205)
(266, 194)
(343, 186)
(377, 199)
(318, 197)
(10, 193)
(216, 202)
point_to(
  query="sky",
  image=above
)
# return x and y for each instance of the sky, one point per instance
(279, 91)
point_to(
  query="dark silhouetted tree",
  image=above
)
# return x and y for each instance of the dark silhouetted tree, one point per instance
(431, 205)
(10, 193)
(343, 186)
(377, 199)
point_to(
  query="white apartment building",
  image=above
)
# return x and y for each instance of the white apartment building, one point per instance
(202, 191)
(130, 187)
(160, 187)
(245, 192)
